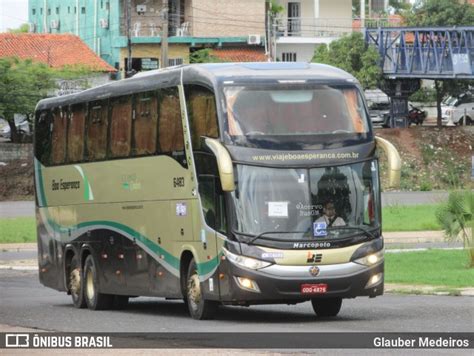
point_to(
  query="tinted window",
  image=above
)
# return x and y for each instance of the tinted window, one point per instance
(145, 123)
(171, 140)
(58, 153)
(43, 137)
(75, 133)
(121, 127)
(202, 114)
(97, 125)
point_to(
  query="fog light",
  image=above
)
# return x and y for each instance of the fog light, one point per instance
(374, 280)
(247, 284)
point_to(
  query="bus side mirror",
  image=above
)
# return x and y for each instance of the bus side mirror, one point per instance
(394, 161)
(224, 164)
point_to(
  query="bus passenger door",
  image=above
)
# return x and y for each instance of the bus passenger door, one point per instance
(213, 211)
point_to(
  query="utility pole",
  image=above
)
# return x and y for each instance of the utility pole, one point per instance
(269, 36)
(164, 35)
(128, 15)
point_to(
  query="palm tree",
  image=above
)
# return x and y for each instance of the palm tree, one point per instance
(456, 217)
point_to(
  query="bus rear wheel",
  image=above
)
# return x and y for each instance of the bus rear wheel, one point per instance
(94, 299)
(199, 308)
(326, 307)
(76, 285)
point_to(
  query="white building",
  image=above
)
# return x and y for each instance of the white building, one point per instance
(304, 24)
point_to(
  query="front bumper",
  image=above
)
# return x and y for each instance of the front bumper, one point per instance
(278, 283)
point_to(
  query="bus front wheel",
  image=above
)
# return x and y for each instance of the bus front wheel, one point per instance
(199, 307)
(76, 285)
(325, 307)
(94, 299)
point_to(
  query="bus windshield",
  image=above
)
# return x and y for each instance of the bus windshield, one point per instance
(269, 115)
(317, 203)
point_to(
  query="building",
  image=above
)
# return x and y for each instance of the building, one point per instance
(192, 24)
(58, 51)
(304, 24)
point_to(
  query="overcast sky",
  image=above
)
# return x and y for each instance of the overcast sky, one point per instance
(13, 13)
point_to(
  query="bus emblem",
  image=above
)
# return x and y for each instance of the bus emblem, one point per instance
(314, 271)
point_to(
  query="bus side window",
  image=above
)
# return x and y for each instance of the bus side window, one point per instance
(58, 152)
(75, 133)
(120, 126)
(170, 128)
(145, 124)
(202, 113)
(97, 124)
(42, 140)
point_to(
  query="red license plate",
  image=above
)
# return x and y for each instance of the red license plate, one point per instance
(314, 288)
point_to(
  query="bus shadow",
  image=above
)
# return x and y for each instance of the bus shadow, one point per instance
(237, 314)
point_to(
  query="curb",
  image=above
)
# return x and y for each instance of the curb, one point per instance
(394, 288)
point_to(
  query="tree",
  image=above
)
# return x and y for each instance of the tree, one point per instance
(22, 84)
(202, 56)
(456, 217)
(24, 28)
(442, 13)
(351, 54)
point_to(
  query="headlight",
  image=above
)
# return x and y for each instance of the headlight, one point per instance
(371, 259)
(245, 262)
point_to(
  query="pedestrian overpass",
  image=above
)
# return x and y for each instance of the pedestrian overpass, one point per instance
(409, 54)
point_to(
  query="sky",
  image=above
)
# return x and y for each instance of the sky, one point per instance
(13, 13)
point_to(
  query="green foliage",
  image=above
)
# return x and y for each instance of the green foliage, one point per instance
(440, 13)
(456, 217)
(24, 28)
(22, 84)
(276, 8)
(351, 54)
(202, 56)
(398, 6)
(432, 267)
(424, 95)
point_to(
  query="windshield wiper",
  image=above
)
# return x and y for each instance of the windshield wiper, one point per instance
(365, 231)
(256, 237)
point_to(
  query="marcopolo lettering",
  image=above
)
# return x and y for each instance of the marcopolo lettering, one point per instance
(309, 245)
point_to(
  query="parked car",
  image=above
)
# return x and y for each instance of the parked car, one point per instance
(456, 107)
(23, 129)
(379, 106)
(379, 112)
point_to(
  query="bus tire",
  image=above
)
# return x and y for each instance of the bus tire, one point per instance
(94, 299)
(199, 308)
(76, 285)
(325, 307)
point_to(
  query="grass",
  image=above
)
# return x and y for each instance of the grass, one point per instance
(432, 267)
(410, 218)
(17, 230)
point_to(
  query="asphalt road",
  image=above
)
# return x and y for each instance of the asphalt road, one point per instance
(12, 209)
(25, 302)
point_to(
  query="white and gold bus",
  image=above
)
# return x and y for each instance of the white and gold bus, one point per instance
(232, 184)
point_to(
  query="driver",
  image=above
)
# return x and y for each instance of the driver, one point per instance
(329, 215)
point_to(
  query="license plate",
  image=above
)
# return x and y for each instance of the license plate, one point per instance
(314, 288)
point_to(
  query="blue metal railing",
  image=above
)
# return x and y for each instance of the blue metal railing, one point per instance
(424, 52)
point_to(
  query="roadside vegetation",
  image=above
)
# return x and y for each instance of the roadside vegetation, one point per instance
(410, 218)
(456, 216)
(17, 230)
(432, 267)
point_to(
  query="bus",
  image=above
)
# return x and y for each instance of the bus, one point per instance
(217, 184)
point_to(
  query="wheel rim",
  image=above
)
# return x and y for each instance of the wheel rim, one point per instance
(90, 285)
(75, 282)
(194, 292)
